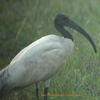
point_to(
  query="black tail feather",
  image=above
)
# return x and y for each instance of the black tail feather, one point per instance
(4, 75)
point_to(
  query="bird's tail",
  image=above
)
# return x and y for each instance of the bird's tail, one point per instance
(4, 75)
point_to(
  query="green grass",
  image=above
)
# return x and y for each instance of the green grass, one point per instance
(23, 22)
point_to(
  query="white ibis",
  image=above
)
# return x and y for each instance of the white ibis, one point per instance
(41, 59)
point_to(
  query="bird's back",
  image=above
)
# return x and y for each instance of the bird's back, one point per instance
(37, 62)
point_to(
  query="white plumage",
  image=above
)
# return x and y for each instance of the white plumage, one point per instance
(39, 61)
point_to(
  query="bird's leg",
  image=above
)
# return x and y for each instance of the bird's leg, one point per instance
(45, 93)
(37, 90)
(37, 98)
(46, 85)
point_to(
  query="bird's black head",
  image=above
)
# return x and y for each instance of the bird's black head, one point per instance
(64, 20)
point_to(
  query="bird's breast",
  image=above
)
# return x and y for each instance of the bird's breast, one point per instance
(40, 60)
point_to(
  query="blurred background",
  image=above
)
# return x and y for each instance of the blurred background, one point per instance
(24, 21)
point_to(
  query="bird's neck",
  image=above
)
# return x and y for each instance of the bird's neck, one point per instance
(64, 32)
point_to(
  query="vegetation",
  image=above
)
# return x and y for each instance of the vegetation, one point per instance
(24, 21)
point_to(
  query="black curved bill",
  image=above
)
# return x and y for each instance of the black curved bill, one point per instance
(76, 27)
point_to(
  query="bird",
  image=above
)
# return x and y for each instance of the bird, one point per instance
(42, 59)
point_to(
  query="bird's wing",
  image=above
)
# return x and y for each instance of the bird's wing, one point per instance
(39, 61)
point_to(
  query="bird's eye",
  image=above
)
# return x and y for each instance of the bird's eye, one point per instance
(63, 18)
